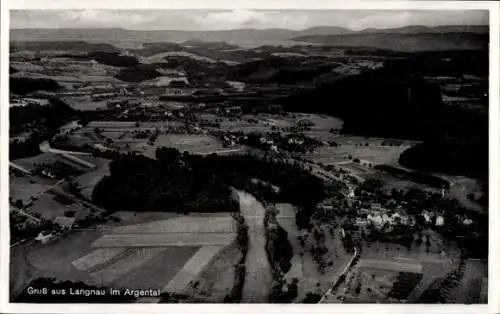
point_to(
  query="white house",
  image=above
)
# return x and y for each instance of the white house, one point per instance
(439, 221)
(467, 221)
(43, 238)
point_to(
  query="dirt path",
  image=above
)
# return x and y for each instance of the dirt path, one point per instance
(258, 277)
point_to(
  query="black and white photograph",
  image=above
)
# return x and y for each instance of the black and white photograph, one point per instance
(273, 156)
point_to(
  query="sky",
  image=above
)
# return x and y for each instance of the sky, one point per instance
(235, 19)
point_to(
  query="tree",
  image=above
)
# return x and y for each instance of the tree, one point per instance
(19, 204)
(69, 213)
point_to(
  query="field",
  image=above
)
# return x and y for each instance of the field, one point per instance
(183, 224)
(51, 206)
(23, 188)
(192, 269)
(89, 180)
(195, 144)
(140, 261)
(267, 123)
(373, 153)
(134, 259)
(84, 103)
(217, 279)
(29, 162)
(389, 272)
(470, 289)
(164, 239)
(193, 244)
(157, 271)
(390, 265)
(54, 259)
(97, 257)
(373, 285)
(124, 136)
(304, 267)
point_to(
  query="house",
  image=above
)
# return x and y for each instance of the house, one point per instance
(234, 110)
(467, 221)
(43, 237)
(65, 222)
(178, 91)
(439, 221)
(427, 216)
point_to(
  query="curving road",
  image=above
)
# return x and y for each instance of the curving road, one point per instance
(45, 148)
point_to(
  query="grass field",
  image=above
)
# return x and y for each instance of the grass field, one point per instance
(390, 265)
(84, 103)
(469, 290)
(375, 154)
(97, 257)
(182, 224)
(50, 206)
(158, 271)
(89, 180)
(22, 188)
(217, 279)
(304, 267)
(55, 258)
(130, 217)
(190, 271)
(164, 239)
(132, 260)
(196, 144)
(29, 162)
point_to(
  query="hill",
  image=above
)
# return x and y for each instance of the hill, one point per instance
(111, 35)
(418, 29)
(397, 102)
(60, 44)
(404, 41)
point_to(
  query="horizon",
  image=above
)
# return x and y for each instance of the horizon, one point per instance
(253, 29)
(224, 20)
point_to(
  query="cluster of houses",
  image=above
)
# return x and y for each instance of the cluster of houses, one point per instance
(23, 101)
(383, 219)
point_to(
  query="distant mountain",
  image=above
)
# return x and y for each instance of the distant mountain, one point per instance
(408, 38)
(410, 41)
(418, 29)
(112, 35)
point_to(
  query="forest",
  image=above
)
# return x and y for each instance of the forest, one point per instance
(193, 183)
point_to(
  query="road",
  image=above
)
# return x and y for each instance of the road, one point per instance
(12, 208)
(45, 148)
(258, 276)
(22, 169)
(343, 272)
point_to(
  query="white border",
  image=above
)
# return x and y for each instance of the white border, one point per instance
(494, 227)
